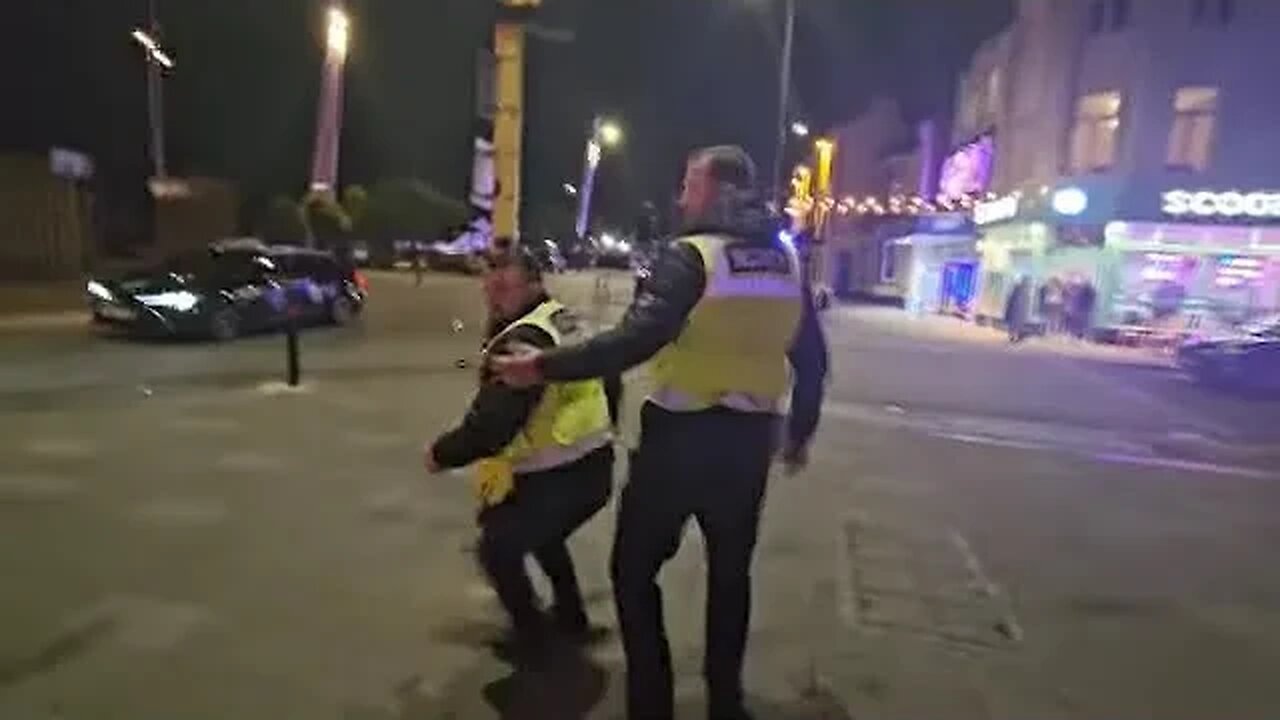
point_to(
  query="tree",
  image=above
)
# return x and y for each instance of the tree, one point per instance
(283, 222)
(355, 201)
(327, 221)
(407, 209)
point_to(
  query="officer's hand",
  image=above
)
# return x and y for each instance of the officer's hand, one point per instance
(519, 366)
(429, 460)
(795, 459)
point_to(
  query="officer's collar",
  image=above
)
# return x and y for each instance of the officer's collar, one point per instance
(503, 323)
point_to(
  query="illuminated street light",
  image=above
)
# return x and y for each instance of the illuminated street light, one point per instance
(155, 53)
(604, 133)
(157, 61)
(609, 133)
(338, 37)
(799, 129)
(324, 160)
(570, 189)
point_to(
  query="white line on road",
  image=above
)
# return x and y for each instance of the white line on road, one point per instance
(1187, 465)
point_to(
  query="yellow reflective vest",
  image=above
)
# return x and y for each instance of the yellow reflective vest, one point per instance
(569, 422)
(733, 349)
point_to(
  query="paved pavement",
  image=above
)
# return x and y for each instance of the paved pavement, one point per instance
(985, 532)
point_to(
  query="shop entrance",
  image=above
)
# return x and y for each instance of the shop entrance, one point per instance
(959, 282)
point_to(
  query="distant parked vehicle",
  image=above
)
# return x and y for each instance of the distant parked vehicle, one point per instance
(549, 257)
(613, 252)
(229, 289)
(1245, 360)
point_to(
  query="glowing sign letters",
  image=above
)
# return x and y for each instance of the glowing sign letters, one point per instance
(1005, 208)
(1205, 203)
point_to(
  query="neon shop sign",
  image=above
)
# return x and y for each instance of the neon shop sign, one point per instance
(1205, 203)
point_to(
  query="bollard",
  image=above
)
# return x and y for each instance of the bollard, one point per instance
(291, 349)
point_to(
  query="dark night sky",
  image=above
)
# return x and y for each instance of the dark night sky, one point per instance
(677, 72)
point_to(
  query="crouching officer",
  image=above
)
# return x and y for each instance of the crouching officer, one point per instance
(542, 458)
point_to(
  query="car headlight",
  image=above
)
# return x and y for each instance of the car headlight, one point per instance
(99, 291)
(180, 300)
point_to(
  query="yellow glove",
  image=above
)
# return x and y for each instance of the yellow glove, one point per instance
(493, 480)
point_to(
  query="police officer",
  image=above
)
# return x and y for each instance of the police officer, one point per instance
(542, 459)
(724, 311)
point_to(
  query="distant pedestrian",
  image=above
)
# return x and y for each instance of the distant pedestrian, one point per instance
(1051, 305)
(1080, 302)
(1016, 309)
(419, 265)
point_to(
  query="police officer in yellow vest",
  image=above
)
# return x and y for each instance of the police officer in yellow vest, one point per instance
(541, 457)
(724, 312)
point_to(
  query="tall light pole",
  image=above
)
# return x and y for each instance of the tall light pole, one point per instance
(784, 100)
(157, 61)
(604, 133)
(324, 161)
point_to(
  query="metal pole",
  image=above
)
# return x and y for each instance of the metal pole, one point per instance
(155, 97)
(784, 98)
(588, 180)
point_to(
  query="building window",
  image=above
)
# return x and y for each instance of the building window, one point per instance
(888, 261)
(1195, 117)
(1093, 137)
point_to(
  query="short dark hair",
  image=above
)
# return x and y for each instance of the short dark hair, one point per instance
(728, 164)
(514, 256)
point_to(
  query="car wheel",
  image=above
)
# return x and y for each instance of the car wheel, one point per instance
(225, 325)
(341, 311)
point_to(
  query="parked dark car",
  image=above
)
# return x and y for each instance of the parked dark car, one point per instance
(578, 254)
(224, 292)
(1246, 360)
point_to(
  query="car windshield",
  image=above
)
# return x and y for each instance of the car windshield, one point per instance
(204, 263)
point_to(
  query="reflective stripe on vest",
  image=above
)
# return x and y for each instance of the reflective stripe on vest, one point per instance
(572, 419)
(732, 352)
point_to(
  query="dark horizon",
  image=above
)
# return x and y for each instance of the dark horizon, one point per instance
(241, 104)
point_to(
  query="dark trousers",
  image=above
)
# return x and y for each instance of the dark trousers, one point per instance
(546, 508)
(712, 466)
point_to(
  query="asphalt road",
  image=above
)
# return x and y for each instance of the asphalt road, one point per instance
(985, 532)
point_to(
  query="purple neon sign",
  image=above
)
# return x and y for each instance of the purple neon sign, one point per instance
(967, 171)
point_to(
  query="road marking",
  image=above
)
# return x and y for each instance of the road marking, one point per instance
(181, 512)
(60, 448)
(249, 462)
(36, 488)
(1187, 465)
(205, 424)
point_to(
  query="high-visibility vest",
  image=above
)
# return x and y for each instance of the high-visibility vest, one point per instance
(572, 418)
(733, 350)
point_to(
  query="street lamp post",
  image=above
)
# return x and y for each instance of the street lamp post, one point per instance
(157, 61)
(784, 99)
(604, 133)
(324, 164)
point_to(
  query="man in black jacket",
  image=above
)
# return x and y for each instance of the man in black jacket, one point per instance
(724, 310)
(539, 509)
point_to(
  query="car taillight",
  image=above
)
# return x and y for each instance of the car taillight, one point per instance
(361, 281)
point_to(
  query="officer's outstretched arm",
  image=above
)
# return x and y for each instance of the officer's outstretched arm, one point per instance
(808, 357)
(497, 413)
(654, 319)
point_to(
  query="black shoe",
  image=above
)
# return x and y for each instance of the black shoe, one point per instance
(525, 647)
(574, 627)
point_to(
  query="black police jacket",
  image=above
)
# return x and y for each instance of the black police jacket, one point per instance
(498, 413)
(658, 314)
